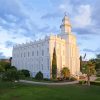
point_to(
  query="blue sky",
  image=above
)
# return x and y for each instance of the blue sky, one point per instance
(26, 20)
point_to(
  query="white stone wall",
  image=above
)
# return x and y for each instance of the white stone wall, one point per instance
(33, 57)
(37, 56)
(60, 48)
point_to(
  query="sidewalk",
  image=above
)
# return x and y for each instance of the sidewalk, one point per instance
(44, 83)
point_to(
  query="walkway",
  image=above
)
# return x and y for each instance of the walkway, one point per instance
(44, 83)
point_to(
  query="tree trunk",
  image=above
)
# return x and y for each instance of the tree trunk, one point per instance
(88, 80)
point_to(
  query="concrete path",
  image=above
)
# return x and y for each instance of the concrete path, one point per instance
(44, 83)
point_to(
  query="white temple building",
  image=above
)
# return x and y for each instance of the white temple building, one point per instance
(37, 56)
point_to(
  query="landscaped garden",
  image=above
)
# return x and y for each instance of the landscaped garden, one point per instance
(19, 91)
(10, 89)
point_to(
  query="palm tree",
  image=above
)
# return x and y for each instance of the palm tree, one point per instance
(88, 69)
(65, 72)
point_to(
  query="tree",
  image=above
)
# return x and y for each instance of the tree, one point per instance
(5, 65)
(39, 76)
(20, 74)
(10, 75)
(81, 63)
(96, 61)
(1, 69)
(88, 69)
(26, 72)
(54, 65)
(13, 67)
(65, 72)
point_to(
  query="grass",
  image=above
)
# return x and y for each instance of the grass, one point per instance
(18, 91)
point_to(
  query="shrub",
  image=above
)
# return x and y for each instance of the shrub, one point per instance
(98, 73)
(20, 75)
(25, 72)
(95, 83)
(46, 79)
(5, 65)
(73, 79)
(13, 67)
(82, 82)
(39, 76)
(10, 75)
(65, 72)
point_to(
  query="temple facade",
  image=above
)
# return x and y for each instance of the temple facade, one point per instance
(37, 56)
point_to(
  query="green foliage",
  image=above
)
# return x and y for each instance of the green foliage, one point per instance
(10, 75)
(39, 76)
(73, 79)
(54, 65)
(98, 79)
(98, 73)
(96, 61)
(88, 69)
(65, 72)
(95, 83)
(26, 72)
(13, 67)
(1, 69)
(5, 65)
(81, 63)
(20, 74)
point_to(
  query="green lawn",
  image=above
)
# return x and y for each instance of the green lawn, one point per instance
(18, 91)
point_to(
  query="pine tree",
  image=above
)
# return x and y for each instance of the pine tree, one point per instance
(81, 63)
(54, 65)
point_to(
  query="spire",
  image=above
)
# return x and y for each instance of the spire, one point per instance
(65, 26)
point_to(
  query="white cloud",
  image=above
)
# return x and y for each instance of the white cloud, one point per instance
(66, 7)
(6, 35)
(83, 18)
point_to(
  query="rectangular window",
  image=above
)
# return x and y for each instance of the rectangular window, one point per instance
(42, 66)
(42, 53)
(48, 63)
(24, 54)
(32, 53)
(28, 54)
(21, 54)
(37, 53)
